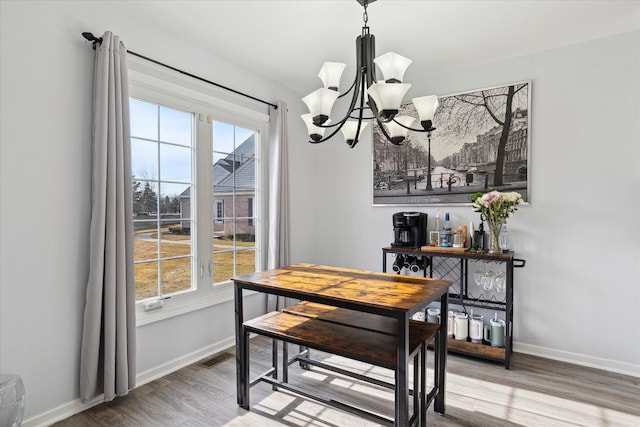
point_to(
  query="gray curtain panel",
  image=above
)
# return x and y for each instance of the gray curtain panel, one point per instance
(107, 359)
(278, 219)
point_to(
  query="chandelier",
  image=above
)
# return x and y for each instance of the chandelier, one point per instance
(382, 98)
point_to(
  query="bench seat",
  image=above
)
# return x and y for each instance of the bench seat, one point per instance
(364, 337)
(360, 336)
(418, 330)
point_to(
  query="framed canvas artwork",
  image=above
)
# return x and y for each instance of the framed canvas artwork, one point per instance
(481, 142)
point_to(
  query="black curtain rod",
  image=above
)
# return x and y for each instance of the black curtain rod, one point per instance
(98, 40)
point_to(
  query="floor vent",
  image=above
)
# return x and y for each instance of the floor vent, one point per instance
(209, 363)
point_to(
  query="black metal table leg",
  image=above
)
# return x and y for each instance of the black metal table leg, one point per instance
(274, 361)
(402, 385)
(285, 362)
(441, 355)
(242, 381)
(423, 384)
(244, 363)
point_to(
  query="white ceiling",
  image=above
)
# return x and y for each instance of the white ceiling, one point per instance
(289, 40)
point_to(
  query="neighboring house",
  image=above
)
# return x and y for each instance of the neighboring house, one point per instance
(234, 184)
(482, 154)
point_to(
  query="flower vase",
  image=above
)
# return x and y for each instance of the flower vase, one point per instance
(495, 229)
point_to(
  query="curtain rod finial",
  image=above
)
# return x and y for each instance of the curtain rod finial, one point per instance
(90, 37)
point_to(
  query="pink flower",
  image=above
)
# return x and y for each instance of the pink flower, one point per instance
(490, 197)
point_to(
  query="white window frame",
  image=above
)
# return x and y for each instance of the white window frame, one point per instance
(176, 92)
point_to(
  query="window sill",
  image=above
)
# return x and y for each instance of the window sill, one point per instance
(186, 303)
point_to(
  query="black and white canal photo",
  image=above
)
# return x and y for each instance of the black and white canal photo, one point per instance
(480, 143)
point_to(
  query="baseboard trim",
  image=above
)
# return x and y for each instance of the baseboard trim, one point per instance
(76, 406)
(186, 360)
(579, 359)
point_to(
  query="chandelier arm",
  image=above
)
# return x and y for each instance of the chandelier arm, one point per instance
(352, 107)
(356, 138)
(364, 118)
(351, 87)
(384, 131)
(358, 87)
(412, 129)
(339, 124)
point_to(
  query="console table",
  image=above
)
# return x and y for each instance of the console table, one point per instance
(455, 265)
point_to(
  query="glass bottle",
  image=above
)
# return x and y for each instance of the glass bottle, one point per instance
(446, 235)
(504, 238)
(480, 237)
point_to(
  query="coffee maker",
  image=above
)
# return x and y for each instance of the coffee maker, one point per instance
(409, 229)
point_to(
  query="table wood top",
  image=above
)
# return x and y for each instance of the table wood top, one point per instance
(334, 284)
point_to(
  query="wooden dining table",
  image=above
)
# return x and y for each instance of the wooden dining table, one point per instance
(391, 295)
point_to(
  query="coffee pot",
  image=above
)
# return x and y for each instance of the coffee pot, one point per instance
(409, 229)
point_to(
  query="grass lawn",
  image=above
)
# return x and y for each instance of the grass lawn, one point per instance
(176, 273)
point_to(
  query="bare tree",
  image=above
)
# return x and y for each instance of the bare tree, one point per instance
(460, 114)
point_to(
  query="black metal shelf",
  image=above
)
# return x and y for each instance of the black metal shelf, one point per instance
(454, 266)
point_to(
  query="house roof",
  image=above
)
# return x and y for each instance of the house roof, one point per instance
(243, 162)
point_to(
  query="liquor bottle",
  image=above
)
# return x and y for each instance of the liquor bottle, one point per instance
(446, 235)
(447, 223)
(481, 239)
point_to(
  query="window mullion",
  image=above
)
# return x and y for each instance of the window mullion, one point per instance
(204, 203)
(158, 217)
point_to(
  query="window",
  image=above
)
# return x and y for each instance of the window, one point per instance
(250, 211)
(161, 152)
(197, 199)
(219, 211)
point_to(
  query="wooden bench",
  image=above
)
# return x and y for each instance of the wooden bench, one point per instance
(352, 334)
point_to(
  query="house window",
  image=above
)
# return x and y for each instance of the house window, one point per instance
(219, 211)
(196, 162)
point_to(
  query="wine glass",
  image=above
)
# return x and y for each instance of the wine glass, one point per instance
(500, 281)
(487, 279)
(477, 277)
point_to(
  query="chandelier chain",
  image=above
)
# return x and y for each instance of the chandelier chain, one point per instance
(365, 15)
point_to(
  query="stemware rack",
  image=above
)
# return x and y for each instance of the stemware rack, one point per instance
(466, 293)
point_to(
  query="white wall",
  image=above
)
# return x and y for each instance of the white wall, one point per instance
(46, 87)
(585, 116)
(578, 296)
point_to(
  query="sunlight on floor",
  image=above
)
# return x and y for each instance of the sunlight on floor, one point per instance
(511, 403)
(475, 398)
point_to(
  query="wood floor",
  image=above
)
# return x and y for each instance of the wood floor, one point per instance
(534, 392)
